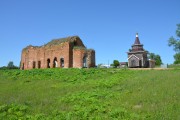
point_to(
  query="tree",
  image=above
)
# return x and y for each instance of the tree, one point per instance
(151, 56)
(11, 65)
(115, 63)
(176, 45)
(3, 68)
(155, 57)
(177, 58)
(158, 60)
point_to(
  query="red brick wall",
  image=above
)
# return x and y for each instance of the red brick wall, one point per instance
(72, 57)
(43, 54)
(91, 58)
(78, 55)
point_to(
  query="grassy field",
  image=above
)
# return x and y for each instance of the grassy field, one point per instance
(97, 94)
(176, 66)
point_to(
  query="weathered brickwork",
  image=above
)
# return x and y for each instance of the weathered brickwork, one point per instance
(62, 53)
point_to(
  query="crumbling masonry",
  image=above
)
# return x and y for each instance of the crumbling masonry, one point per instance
(67, 52)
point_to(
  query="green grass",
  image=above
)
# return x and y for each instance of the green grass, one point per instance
(175, 66)
(97, 94)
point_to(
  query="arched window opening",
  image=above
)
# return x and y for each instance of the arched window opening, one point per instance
(55, 64)
(48, 63)
(39, 64)
(62, 62)
(85, 61)
(34, 64)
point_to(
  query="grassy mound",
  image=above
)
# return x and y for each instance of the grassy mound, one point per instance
(89, 94)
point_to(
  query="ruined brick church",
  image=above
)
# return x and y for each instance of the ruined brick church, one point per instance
(67, 52)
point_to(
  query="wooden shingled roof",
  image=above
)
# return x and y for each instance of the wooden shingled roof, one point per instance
(137, 41)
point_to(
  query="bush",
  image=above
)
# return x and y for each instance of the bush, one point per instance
(115, 63)
(9, 66)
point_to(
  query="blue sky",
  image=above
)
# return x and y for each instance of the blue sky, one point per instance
(108, 26)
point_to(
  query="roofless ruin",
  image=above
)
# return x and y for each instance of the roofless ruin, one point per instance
(67, 52)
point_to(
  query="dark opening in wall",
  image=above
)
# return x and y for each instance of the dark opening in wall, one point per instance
(55, 63)
(140, 63)
(23, 66)
(48, 63)
(39, 64)
(34, 64)
(75, 43)
(62, 62)
(85, 61)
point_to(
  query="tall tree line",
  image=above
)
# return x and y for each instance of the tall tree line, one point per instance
(175, 43)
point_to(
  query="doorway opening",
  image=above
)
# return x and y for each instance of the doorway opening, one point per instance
(55, 63)
(62, 62)
(48, 63)
(85, 61)
(39, 64)
(34, 64)
(133, 63)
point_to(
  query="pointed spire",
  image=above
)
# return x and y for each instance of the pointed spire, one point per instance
(136, 34)
(137, 39)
